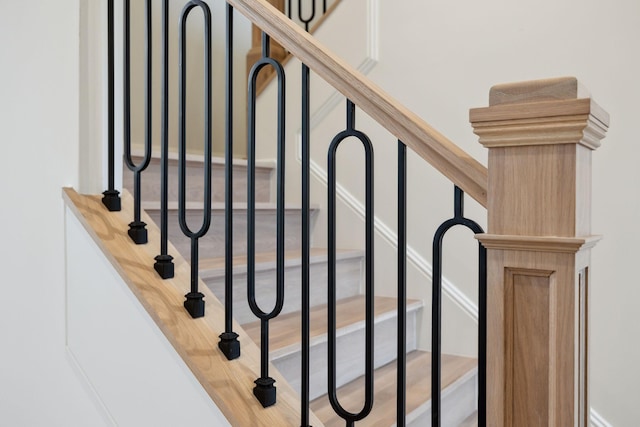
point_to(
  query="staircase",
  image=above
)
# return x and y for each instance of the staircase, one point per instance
(459, 374)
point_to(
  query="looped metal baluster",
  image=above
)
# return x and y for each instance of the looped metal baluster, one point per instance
(111, 196)
(265, 391)
(349, 417)
(307, 21)
(137, 228)
(402, 287)
(306, 247)
(436, 326)
(194, 302)
(229, 343)
(164, 262)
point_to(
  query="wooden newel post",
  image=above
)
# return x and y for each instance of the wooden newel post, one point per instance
(540, 137)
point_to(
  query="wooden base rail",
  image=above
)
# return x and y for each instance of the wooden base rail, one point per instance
(540, 136)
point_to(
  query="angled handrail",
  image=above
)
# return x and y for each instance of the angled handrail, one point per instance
(453, 162)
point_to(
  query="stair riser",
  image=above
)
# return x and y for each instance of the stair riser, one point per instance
(212, 245)
(349, 274)
(350, 355)
(150, 183)
(459, 401)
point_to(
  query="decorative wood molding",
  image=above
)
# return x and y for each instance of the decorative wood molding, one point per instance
(428, 143)
(541, 137)
(537, 244)
(541, 123)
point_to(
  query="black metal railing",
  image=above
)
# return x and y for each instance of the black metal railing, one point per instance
(307, 11)
(265, 390)
(164, 262)
(436, 313)
(137, 228)
(351, 132)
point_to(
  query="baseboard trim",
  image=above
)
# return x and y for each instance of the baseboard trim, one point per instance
(598, 421)
(90, 388)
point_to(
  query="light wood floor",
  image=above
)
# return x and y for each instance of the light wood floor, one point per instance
(384, 408)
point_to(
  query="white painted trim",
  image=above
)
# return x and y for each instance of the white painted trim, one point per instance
(424, 266)
(91, 390)
(597, 420)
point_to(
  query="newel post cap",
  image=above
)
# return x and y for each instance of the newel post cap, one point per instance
(540, 112)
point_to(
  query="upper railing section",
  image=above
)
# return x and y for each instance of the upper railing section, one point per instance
(453, 162)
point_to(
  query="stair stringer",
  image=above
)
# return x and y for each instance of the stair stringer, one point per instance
(228, 383)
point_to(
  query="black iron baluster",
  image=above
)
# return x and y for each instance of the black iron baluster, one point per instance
(306, 245)
(324, 6)
(265, 391)
(402, 287)
(289, 11)
(137, 228)
(436, 326)
(229, 343)
(482, 336)
(307, 21)
(194, 302)
(164, 262)
(111, 197)
(349, 417)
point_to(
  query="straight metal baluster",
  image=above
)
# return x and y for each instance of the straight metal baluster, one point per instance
(229, 343)
(306, 244)
(137, 228)
(482, 336)
(194, 302)
(289, 11)
(111, 197)
(324, 6)
(265, 391)
(349, 417)
(164, 262)
(436, 316)
(402, 286)
(436, 329)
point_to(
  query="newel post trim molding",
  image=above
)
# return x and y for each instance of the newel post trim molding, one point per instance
(540, 136)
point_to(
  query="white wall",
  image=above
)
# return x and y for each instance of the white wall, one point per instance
(440, 58)
(39, 136)
(454, 51)
(136, 374)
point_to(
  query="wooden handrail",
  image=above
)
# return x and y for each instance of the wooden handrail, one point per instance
(428, 143)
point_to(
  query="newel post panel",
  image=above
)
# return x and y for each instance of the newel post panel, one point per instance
(540, 136)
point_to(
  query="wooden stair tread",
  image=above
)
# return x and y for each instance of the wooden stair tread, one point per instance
(384, 407)
(284, 330)
(220, 206)
(137, 153)
(211, 267)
